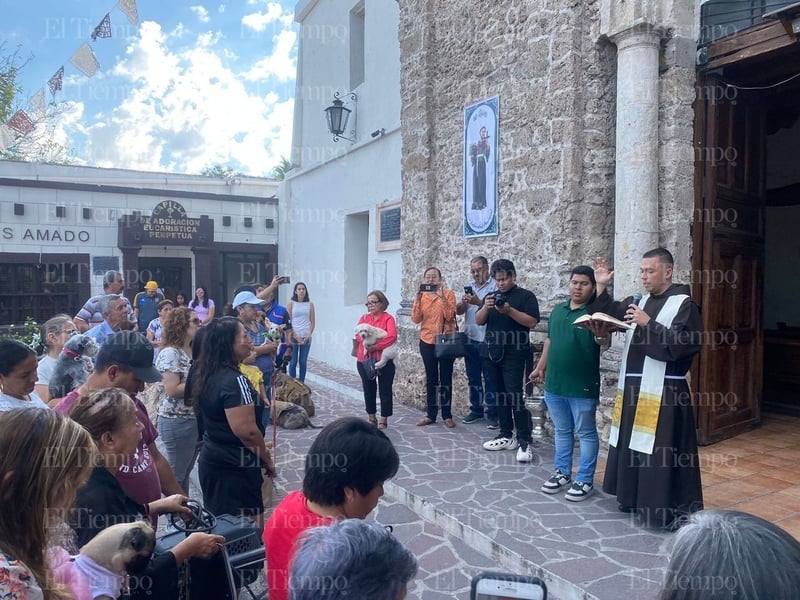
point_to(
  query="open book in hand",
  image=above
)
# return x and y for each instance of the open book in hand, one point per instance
(586, 320)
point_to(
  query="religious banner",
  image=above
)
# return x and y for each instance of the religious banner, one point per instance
(103, 29)
(54, 83)
(85, 60)
(481, 127)
(128, 7)
(21, 123)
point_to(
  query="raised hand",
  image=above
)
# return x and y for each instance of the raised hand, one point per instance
(602, 274)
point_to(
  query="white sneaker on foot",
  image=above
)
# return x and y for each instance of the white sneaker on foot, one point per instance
(501, 443)
(524, 453)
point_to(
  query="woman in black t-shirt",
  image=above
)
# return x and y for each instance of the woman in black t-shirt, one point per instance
(234, 456)
(109, 415)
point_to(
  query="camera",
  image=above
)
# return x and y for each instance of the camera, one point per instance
(500, 299)
(284, 279)
(428, 287)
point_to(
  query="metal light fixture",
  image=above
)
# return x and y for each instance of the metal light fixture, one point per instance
(337, 115)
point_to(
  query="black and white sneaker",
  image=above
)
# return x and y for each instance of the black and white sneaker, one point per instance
(501, 443)
(579, 491)
(557, 482)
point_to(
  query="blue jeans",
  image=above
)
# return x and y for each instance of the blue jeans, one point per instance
(299, 354)
(574, 415)
(177, 441)
(480, 386)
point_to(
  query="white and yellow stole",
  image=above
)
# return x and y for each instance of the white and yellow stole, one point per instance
(648, 404)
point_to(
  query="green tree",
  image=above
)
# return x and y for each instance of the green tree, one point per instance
(11, 63)
(279, 172)
(220, 171)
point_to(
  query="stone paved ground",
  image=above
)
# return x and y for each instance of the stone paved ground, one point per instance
(462, 509)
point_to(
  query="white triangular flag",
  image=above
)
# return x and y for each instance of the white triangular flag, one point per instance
(85, 60)
(128, 7)
(36, 104)
(7, 136)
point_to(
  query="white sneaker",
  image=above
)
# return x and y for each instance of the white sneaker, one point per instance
(501, 443)
(525, 453)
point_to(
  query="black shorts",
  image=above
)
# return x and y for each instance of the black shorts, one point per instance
(231, 490)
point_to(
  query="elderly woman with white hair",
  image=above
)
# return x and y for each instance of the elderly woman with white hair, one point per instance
(352, 560)
(722, 554)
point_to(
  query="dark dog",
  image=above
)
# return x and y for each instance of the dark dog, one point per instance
(73, 365)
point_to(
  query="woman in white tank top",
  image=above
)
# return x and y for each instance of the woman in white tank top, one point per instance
(301, 312)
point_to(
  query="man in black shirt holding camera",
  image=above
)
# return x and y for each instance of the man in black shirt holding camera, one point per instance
(509, 314)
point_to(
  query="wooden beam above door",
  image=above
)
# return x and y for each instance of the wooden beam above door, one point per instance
(749, 44)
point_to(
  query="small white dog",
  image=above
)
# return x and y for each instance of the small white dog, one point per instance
(371, 335)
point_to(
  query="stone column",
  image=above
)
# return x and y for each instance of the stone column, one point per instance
(636, 202)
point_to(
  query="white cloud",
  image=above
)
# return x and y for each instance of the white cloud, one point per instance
(281, 64)
(258, 21)
(184, 110)
(201, 13)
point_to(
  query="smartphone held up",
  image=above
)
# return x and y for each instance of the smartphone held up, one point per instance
(505, 586)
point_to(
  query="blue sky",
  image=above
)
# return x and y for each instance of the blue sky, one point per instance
(194, 84)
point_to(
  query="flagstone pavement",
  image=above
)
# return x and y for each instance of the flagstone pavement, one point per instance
(461, 509)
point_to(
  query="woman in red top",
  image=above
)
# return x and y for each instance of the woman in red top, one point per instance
(377, 317)
(435, 311)
(345, 470)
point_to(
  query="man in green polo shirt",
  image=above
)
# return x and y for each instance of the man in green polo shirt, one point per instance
(570, 369)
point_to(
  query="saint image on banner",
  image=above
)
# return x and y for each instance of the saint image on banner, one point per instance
(480, 168)
(478, 155)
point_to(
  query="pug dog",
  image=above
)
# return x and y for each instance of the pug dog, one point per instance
(100, 571)
(371, 335)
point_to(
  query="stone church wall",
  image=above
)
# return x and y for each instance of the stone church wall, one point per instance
(555, 80)
(554, 73)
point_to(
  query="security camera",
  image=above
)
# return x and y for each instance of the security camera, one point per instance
(377, 132)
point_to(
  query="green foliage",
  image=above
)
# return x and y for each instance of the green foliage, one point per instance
(219, 171)
(28, 334)
(279, 172)
(10, 65)
(8, 90)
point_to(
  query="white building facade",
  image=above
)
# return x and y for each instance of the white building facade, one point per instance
(340, 203)
(62, 227)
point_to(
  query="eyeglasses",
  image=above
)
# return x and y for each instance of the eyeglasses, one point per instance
(70, 333)
(196, 321)
(372, 303)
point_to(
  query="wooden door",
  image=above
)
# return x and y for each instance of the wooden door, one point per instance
(728, 260)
